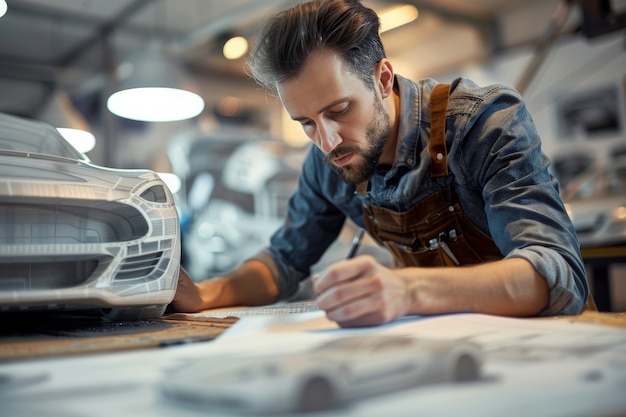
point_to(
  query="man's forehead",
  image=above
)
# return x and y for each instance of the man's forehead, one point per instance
(324, 80)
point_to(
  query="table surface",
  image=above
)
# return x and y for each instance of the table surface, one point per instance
(604, 252)
(38, 336)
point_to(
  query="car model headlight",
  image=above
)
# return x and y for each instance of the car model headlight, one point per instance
(155, 194)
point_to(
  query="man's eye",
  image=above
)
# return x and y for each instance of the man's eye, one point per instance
(339, 110)
(307, 126)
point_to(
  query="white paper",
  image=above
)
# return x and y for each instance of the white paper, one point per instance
(533, 367)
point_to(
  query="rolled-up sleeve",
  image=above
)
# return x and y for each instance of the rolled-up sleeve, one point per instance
(525, 214)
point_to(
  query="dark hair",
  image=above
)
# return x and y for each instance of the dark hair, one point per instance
(289, 37)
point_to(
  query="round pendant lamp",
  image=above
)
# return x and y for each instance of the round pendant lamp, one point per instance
(154, 88)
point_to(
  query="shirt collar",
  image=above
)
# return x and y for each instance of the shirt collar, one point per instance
(409, 122)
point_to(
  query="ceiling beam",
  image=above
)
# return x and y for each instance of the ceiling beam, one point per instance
(103, 31)
(98, 26)
(226, 23)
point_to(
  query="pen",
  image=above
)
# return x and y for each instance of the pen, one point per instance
(356, 243)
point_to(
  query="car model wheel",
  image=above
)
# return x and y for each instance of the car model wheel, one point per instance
(317, 394)
(130, 314)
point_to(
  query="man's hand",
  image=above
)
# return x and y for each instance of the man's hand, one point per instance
(187, 298)
(361, 292)
(248, 285)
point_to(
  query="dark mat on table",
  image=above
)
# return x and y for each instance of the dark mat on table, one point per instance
(27, 336)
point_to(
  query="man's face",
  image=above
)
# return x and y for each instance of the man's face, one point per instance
(339, 113)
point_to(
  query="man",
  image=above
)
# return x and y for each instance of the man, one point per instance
(451, 179)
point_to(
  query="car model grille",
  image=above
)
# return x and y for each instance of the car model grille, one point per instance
(59, 273)
(48, 274)
(138, 266)
(101, 221)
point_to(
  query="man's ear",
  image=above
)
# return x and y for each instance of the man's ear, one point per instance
(383, 76)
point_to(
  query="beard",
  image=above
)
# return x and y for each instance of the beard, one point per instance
(376, 134)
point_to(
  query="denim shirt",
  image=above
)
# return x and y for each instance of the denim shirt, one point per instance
(497, 169)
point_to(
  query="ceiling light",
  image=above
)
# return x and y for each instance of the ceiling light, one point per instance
(397, 16)
(155, 90)
(620, 213)
(229, 106)
(60, 113)
(235, 47)
(82, 140)
(3, 7)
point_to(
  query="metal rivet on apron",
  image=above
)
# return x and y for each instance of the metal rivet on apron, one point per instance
(451, 208)
(439, 156)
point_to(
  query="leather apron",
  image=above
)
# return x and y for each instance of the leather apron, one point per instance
(434, 232)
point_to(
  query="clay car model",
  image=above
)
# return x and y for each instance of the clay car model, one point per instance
(338, 371)
(596, 204)
(74, 235)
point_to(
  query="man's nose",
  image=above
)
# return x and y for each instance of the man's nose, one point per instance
(328, 138)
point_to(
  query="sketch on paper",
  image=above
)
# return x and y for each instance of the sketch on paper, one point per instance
(332, 374)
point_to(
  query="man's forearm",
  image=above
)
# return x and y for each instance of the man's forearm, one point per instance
(509, 287)
(250, 284)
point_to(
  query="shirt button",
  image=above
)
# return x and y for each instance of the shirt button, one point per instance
(409, 161)
(439, 156)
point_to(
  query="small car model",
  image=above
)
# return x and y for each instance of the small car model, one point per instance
(339, 371)
(596, 204)
(74, 235)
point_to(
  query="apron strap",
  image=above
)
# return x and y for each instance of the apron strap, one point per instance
(362, 188)
(437, 145)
